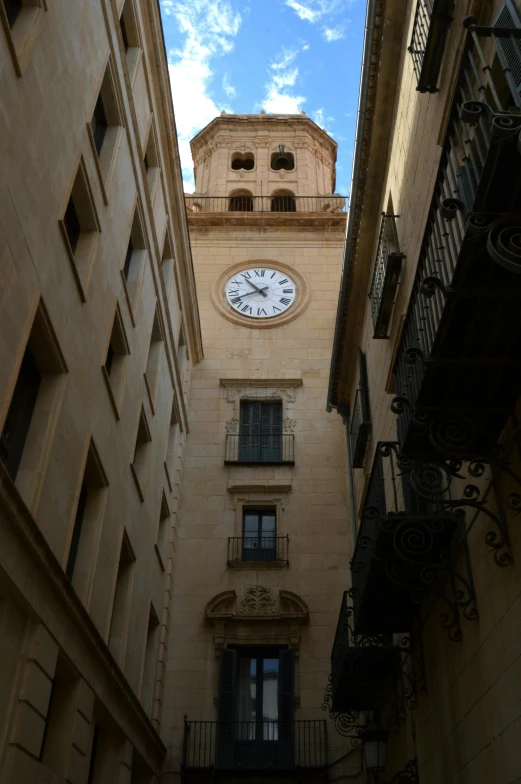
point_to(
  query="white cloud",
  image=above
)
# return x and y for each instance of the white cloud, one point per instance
(305, 47)
(208, 27)
(313, 10)
(333, 33)
(320, 118)
(279, 99)
(228, 87)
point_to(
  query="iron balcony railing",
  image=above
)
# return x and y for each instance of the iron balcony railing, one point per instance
(307, 741)
(265, 448)
(386, 276)
(466, 247)
(276, 203)
(360, 427)
(242, 549)
(362, 667)
(403, 543)
(431, 26)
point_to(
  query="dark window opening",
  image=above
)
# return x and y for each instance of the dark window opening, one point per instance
(260, 432)
(241, 202)
(19, 416)
(259, 535)
(12, 10)
(245, 162)
(72, 225)
(147, 165)
(282, 160)
(109, 358)
(128, 259)
(124, 32)
(283, 202)
(98, 124)
(255, 711)
(93, 751)
(76, 533)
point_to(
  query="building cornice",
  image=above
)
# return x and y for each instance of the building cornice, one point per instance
(324, 220)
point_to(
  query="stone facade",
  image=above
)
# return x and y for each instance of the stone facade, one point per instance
(466, 719)
(220, 601)
(105, 335)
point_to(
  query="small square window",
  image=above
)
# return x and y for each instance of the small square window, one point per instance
(104, 128)
(80, 228)
(114, 366)
(133, 262)
(140, 459)
(22, 21)
(27, 432)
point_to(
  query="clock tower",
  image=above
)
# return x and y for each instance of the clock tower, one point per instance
(261, 553)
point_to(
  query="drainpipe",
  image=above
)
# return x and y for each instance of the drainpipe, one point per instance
(357, 162)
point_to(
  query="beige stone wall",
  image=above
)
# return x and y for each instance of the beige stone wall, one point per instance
(466, 726)
(54, 60)
(260, 135)
(310, 497)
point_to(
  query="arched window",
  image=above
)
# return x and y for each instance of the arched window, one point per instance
(283, 201)
(241, 201)
(245, 161)
(282, 160)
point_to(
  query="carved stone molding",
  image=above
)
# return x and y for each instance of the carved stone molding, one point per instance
(289, 424)
(258, 604)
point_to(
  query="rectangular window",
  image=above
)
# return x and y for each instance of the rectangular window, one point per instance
(133, 261)
(260, 432)
(121, 605)
(386, 276)
(12, 10)
(361, 416)
(255, 726)
(19, 416)
(98, 124)
(114, 366)
(154, 357)
(60, 713)
(128, 259)
(259, 533)
(80, 228)
(149, 666)
(163, 531)
(432, 21)
(139, 462)
(87, 522)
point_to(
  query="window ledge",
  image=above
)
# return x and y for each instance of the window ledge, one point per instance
(112, 398)
(160, 557)
(258, 564)
(137, 483)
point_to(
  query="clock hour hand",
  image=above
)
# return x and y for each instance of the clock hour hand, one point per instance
(260, 291)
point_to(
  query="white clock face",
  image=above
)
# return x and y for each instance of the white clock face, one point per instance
(260, 292)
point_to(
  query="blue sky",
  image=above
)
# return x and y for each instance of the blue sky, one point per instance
(283, 56)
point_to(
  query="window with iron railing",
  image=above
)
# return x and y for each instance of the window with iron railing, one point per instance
(431, 26)
(386, 276)
(361, 417)
(260, 438)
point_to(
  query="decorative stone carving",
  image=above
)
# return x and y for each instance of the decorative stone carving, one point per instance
(289, 424)
(257, 601)
(258, 604)
(232, 426)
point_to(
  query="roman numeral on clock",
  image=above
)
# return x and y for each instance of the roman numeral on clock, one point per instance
(286, 291)
(284, 301)
(276, 309)
(282, 281)
(259, 274)
(246, 309)
(261, 311)
(236, 301)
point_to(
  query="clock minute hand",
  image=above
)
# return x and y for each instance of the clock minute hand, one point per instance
(261, 291)
(249, 294)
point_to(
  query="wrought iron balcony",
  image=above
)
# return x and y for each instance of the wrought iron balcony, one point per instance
(276, 203)
(363, 668)
(458, 366)
(248, 747)
(386, 276)
(431, 26)
(403, 547)
(360, 428)
(265, 549)
(265, 448)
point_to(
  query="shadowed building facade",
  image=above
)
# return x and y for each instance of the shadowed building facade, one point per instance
(426, 374)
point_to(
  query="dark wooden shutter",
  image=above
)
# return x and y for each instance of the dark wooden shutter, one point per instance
(509, 49)
(225, 751)
(250, 432)
(271, 432)
(286, 709)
